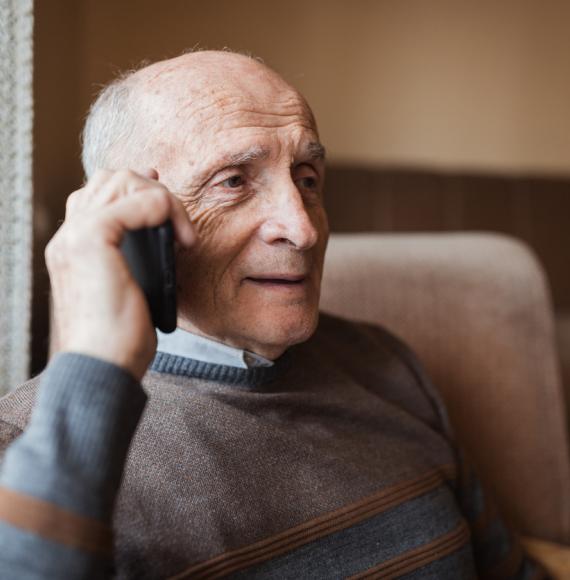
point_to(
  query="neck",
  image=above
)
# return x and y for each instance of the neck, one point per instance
(271, 352)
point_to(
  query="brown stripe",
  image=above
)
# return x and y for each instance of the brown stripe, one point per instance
(418, 557)
(54, 523)
(318, 527)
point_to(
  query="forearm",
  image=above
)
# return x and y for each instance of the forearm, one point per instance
(60, 478)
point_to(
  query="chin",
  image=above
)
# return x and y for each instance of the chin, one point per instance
(275, 332)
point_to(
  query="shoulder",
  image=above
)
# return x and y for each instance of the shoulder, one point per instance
(15, 411)
(382, 362)
(363, 342)
(360, 333)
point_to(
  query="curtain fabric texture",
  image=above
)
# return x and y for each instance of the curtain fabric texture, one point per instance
(16, 114)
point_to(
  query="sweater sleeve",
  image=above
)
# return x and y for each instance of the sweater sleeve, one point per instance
(60, 478)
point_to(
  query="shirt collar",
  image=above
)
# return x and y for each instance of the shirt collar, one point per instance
(190, 345)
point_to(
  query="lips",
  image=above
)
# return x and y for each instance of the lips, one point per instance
(285, 279)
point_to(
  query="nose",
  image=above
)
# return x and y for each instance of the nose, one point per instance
(288, 221)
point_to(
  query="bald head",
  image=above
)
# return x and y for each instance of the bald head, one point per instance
(136, 117)
(205, 72)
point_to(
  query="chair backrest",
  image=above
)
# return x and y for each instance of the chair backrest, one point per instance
(476, 309)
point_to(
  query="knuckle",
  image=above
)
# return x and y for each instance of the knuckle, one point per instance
(50, 252)
(73, 241)
(76, 199)
(162, 188)
(71, 201)
(54, 251)
(73, 231)
(126, 174)
(160, 199)
(100, 174)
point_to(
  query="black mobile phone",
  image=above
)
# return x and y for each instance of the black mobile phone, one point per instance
(149, 253)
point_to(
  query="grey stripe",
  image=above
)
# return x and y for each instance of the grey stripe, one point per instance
(371, 542)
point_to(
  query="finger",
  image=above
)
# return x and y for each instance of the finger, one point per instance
(180, 220)
(72, 202)
(184, 230)
(97, 179)
(94, 184)
(128, 213)
(80, 199)
(107, 186)
(117, 185)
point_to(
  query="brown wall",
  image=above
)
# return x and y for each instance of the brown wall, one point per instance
(473, 85)
(443, 85)
(536, 210)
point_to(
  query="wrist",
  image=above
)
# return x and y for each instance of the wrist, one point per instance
(135, 361)
(73, 450)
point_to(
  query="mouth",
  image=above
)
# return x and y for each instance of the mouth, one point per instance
(278, 280)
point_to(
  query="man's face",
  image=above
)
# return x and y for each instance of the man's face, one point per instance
(246, 162)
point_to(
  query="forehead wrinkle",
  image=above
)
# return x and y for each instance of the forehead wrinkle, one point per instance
(196, 81)
(231, 96)
(238, 109)
(182, 99)
(202, 101)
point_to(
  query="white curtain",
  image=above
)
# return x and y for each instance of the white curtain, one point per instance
(16, 25)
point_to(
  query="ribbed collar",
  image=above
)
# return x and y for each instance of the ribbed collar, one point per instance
(249, 377)
(190, 345)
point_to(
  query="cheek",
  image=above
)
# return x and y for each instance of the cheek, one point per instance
(320, 219)
(207, 217)
(321, 224)
(200, 269)
(210, 268)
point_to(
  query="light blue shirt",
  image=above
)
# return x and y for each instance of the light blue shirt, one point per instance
(190, 345)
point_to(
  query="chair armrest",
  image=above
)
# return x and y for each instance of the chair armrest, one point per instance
(555, 558)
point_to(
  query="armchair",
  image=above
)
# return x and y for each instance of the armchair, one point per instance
(476, 309)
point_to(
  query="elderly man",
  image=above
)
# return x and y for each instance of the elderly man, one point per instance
(274, 444)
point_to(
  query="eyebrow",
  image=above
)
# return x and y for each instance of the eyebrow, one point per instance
(230, 160)
(252, 154)
(316, 151)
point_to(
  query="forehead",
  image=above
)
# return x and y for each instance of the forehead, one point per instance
(226, 123)
(225, 109)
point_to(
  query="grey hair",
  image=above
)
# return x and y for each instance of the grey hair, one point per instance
(110, 123)
(113, 134)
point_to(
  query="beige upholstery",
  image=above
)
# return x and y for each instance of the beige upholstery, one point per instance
(476, 309)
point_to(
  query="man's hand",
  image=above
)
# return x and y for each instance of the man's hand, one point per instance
(99, 309)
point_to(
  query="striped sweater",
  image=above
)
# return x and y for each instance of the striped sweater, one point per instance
(337, 462)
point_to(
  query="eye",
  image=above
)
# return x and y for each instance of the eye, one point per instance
(233, 182)
(306, 178)
(308, 182)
